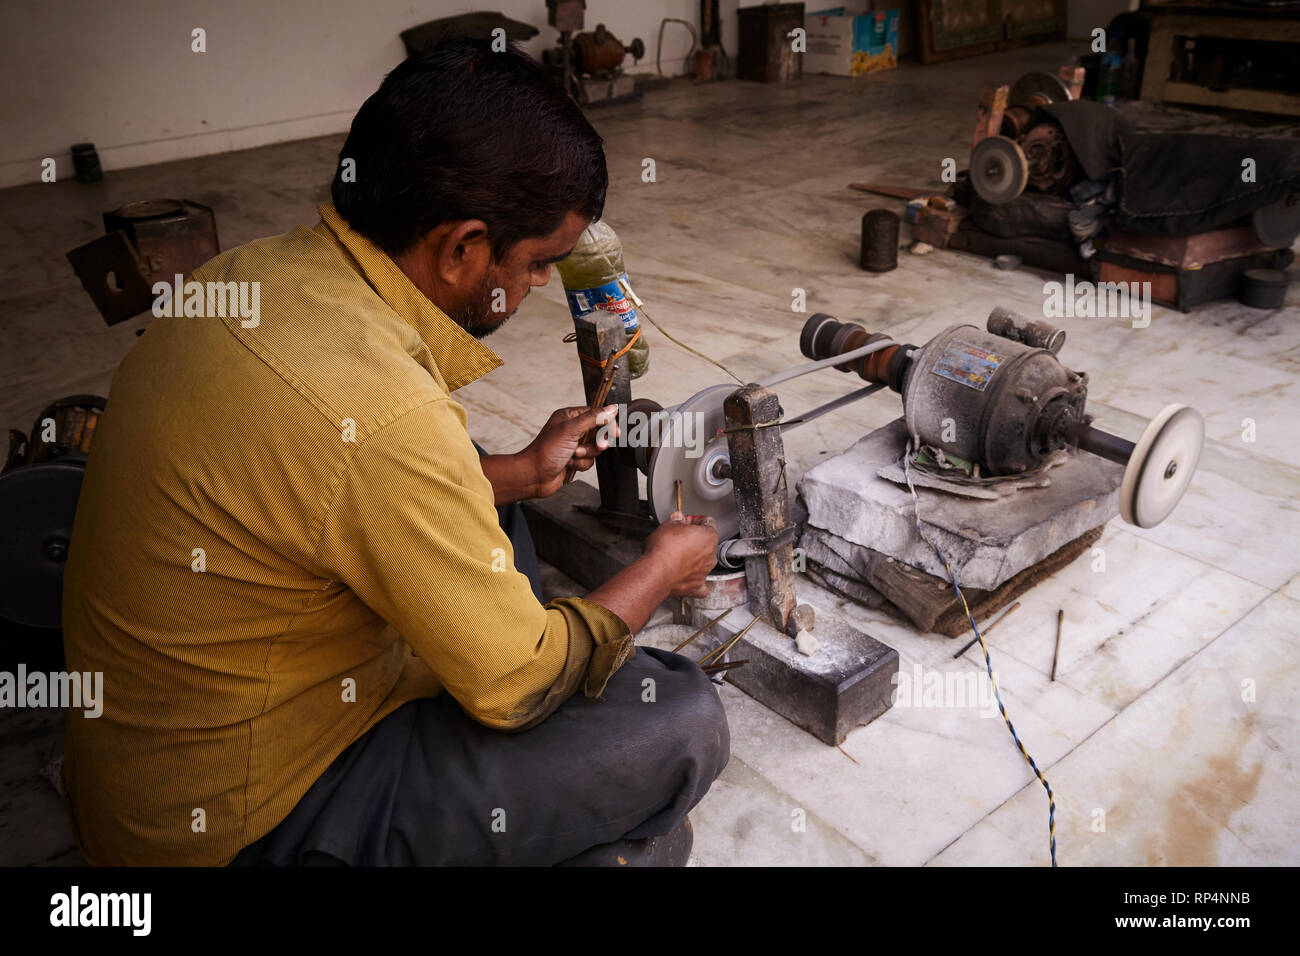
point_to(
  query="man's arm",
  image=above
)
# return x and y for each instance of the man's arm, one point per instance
(678, 556)
(413, 532)
(539, 469)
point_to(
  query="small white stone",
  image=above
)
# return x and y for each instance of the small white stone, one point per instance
(806, 644)
(921, 248)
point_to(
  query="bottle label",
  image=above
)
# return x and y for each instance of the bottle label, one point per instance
(610, 297)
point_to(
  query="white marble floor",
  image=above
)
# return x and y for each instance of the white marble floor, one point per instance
(1170, 735)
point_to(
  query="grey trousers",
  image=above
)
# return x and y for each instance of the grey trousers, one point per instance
(428, 786)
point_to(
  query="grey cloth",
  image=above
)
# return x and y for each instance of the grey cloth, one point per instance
(428, 786)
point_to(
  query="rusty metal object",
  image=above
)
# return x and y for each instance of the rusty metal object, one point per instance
(879, 252)
(566, 15)
(38, 501)
(824, 336)
(1016, 122)
(898, 192)
(149, 241)
(600, 51)
(1038, 89)
(1017, 328)
(1052, 166)
(597, 52)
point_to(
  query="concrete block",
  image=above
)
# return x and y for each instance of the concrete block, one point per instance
(987, 541)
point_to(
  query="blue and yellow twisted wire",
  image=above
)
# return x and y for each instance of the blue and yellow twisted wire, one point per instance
(988, 663)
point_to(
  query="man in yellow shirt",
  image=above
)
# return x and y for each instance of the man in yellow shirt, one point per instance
(317, 636)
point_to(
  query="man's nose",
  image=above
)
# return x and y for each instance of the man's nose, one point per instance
(541, 278)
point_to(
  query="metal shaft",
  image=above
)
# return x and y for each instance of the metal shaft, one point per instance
(1104, 444)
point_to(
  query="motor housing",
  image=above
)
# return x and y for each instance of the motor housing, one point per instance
(1000, 404)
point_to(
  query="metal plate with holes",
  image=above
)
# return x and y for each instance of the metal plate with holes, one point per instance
(110, 272)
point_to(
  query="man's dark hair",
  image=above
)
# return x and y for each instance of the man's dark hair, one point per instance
(462, 132)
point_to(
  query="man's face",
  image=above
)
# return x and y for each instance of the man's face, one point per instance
(502, 286)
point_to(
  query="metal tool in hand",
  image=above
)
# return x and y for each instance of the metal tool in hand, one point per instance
(602, 392)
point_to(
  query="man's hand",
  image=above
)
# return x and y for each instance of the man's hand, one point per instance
(688, 546)
(559, 445)
(678, 555)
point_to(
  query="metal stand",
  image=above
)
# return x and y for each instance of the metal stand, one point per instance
(600, 334)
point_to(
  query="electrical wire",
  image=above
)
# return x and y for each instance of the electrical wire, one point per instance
(636, 301)
(988, 663)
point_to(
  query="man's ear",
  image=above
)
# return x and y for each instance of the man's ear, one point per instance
(463, 253)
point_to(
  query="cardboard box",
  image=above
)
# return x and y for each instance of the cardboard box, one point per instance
(844, 41)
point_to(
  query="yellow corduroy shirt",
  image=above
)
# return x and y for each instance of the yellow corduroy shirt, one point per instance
(283, 535)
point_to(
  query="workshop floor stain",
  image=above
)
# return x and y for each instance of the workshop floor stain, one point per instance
(1201, 810)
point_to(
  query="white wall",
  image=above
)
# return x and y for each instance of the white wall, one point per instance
(122, 74)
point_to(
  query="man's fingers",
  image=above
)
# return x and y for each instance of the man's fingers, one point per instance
(706, 520)
(586, 419)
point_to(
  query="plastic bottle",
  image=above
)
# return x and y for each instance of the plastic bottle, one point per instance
(594, 278)
(1108, 82)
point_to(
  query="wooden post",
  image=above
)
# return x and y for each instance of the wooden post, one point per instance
(599, 334)
(993, 103)
(762, 500)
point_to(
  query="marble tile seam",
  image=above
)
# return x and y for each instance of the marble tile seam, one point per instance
(812, 817)
(1033, 783)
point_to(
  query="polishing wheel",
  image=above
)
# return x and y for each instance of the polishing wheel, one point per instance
(1161, 466)
(693, 449)
(998, 169)
(1038, 89)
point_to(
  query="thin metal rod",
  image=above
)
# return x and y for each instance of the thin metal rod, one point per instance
(778, 377)
(1060, 617)
(602, 393)
(678, 648)
(719, 668)
(722, 649)
(988, 626)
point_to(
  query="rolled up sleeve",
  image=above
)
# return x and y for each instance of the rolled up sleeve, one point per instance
(412, 530)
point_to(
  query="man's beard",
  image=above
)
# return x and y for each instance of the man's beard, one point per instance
(477, 318)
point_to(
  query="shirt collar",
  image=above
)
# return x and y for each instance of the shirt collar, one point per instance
(459, 357)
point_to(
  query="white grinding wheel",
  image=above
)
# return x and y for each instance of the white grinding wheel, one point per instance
(999, 170)
(1161, 466)
(697, 420)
